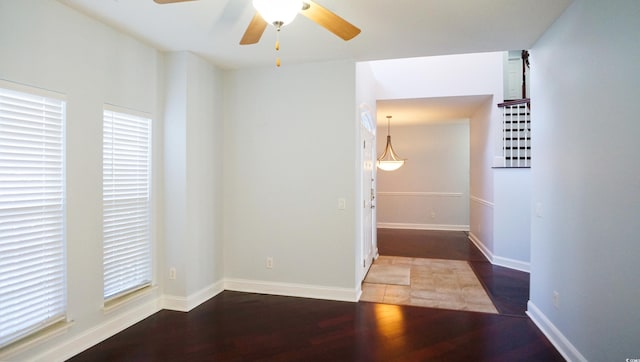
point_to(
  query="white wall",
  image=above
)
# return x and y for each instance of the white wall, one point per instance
(45, 44)
(205, 144)
(512, 217)
(481, 180)
(586, 180)
(439, 76)
(431, 190)
(193, 178)
(175, 170)
(290, 154)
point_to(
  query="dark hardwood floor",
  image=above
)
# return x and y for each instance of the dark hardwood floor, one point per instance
(435, 244)
(507, 288)
(236, 326)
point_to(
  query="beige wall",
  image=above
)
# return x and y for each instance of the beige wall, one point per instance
(431, 191)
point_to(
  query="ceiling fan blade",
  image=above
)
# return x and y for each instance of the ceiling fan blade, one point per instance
(254, 31)
(330, 21)
(170, 1)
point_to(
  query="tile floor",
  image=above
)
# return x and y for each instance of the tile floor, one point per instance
(435, 283)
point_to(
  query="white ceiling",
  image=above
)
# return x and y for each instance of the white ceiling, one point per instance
(391, 29)
(428, 110)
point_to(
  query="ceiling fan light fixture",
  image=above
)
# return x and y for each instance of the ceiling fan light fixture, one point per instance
(280, 12)
(389, 160)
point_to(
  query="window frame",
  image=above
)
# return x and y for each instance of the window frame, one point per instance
(111, 297)
(59, 314)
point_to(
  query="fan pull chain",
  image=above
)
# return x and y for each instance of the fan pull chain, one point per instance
(278, 47)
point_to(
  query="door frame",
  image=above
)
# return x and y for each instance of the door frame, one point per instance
(368, 176)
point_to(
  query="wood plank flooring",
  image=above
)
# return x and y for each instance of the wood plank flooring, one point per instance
(236, 326)
(435, 244)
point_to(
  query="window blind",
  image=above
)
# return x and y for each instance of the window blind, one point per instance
(126, 202)
(32, 231)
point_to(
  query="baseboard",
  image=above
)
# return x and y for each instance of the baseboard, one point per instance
(445, 227)
(99, 333)
(498, 260)
(292, 290)
(420, 193)
(185, 304)
(512, 264)
(480, 245)
(562, 344)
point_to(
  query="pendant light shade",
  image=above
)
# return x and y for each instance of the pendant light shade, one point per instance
(280, 12)
(389, 160)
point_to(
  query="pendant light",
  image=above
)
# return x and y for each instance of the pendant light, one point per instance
(389, 160)
(278, 12)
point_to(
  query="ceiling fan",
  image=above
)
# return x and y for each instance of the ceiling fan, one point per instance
(281, 12)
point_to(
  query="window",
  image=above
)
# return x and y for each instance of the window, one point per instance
(32, 226)
(126, 202)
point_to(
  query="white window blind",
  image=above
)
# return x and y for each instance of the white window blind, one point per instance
(126, 202)
(32, 230)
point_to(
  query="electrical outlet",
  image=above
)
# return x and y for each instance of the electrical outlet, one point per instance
(433, 214)
(556, 299)
(172, 273)
(269, 262)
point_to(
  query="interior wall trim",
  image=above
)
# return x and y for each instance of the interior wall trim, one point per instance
(420, 193)
(76, 344)
(562, 344)
(480, 245)
(292, 289)
(185, 304)
(481, 201)
(522, 266)
(445, 227)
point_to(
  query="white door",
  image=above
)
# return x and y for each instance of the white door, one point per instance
(368, 139)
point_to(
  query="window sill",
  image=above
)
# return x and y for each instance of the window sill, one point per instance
(126, 299)
(35, 338)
